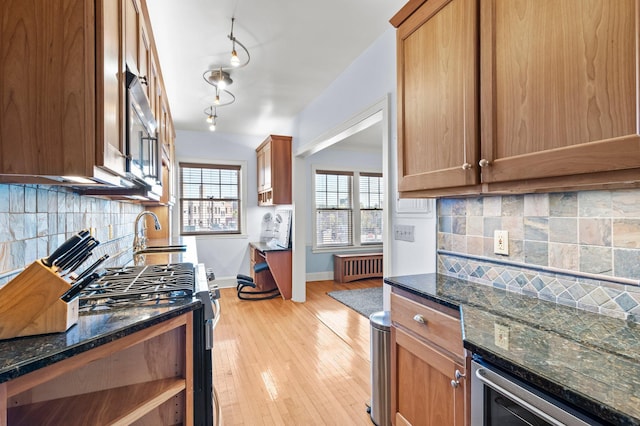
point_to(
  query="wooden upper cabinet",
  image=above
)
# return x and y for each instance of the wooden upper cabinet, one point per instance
(60, 89)
(109, 84)
(559, 88)
(437, 95)
(274, 171)
(555, 90)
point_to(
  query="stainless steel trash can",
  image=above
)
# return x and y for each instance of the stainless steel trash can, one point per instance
(380, 368)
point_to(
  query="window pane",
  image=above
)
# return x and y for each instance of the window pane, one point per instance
(229, 191)
(210, 191)
(370, 226)
(333, 191)
(209, 216)
(333, 228)
(210, 199)
(190, 175)
(191, 190)
(371, 192)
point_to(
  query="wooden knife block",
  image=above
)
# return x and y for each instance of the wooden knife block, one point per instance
(30, 303)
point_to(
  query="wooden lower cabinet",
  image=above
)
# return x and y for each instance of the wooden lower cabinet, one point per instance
(144, 378)
(428, 383)
(423, 391)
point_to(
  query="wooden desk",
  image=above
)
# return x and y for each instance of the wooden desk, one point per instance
(279, 272)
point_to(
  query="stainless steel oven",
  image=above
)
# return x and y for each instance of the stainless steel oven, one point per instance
(207, 410)
(498, 398)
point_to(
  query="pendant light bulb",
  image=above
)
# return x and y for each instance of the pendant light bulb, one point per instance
(235, 61)
(212, 127)
(217, 100)
(210, 119)
(221, 84)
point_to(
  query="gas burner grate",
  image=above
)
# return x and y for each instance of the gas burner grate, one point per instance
(137, 285)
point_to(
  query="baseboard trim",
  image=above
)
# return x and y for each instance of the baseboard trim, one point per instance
(226, 282)
(319, 276)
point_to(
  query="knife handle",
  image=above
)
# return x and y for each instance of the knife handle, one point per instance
(77, 262)
(70, 243)
(76, 253)
(80, 285)
(91, 268)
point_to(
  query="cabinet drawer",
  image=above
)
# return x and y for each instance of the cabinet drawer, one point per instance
(436, 327)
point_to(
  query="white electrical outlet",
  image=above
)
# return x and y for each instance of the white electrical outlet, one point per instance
(501, 336)
(501, 242)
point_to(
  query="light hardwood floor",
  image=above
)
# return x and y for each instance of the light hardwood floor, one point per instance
(278, 362)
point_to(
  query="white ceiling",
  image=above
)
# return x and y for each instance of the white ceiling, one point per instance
(297, 47)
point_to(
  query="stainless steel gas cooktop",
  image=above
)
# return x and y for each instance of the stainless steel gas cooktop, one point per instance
(138, 286)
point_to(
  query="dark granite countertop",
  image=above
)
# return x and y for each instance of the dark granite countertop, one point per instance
(23, 355)
(589, 360)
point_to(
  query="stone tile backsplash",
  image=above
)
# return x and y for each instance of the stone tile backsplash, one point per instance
(576, 248)
(35, 219)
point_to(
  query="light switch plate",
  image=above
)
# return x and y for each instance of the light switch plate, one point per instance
(404, 233)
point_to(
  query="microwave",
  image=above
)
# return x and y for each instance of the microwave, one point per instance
(143, 165)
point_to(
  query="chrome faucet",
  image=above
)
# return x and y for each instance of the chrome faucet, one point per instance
(139, 243)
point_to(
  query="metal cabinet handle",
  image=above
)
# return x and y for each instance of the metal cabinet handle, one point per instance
(419, 318)
(143, 80)
(456, 382)
(466, 166)
(483, 163)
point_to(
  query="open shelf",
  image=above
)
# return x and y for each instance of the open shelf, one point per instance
(117, 406)
(143, 378)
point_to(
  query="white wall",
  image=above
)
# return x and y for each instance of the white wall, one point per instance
(227, 256)
(368, 79)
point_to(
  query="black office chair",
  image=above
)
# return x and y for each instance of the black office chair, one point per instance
(246, 283)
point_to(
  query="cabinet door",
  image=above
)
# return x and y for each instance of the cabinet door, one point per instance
(559, 87)
(110, 136)
(437, 96)
(261, 170)
(46, 88)
(131, 34)
(266, 167)
(422, 392)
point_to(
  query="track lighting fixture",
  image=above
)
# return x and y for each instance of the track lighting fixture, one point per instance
(220, 78)
(212, 117)
(236, 62)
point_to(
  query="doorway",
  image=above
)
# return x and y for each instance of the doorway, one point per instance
(373, 121)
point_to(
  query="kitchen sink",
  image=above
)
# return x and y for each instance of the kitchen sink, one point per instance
(162, 249)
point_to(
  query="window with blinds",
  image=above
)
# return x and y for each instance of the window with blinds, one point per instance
(371, 197)
(339, 222)
(209, 199)
(334, 209)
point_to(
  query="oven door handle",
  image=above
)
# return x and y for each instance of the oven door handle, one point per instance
(489, 378)
(211, 324)
(216, 315)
